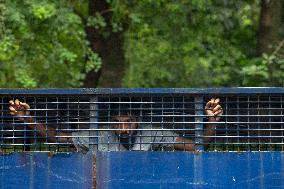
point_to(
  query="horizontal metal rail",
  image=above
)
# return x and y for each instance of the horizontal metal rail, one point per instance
(141, 91)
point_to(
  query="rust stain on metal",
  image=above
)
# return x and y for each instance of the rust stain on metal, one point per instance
(50, 154)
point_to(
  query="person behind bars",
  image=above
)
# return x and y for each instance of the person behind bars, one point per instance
(126, 134)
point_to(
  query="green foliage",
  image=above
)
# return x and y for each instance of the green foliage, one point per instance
(267, 70)
(97, 22)
(43, 44)
(43, 11)
(190, 43)
(197, 43)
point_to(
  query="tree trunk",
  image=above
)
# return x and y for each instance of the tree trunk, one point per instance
(110, 50)
(269, 26)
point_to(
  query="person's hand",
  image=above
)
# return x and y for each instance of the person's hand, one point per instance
(18, 108)
(213, 109)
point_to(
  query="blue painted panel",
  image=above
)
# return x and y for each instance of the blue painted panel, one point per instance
(174, 170)
(39, 170)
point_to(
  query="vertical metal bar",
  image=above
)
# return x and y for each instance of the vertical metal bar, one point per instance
(119, 114)
(109, 120)
(198, 108)
(151, 122)
(93, 146)
(68, 119)
(79, 112)
(25, 135)
(2, 125)
(198, 103)
(130, 122)
(183, 120)
(270, 137)
(14, 133)
(238, 123)
(282, 133)
(141, 120)
(216, 144)
(162, 125)
(258, 125)
(173, 121)
(226, 125)
(47, 147)
(248, 112)
(34, 127)
(56, 130)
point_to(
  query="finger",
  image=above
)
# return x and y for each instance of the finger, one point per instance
(217, 100)
(12, 109)
(208, 105)
(12, 113)
(218, 113)
(11, 102)
(218, 107)
(25, 105)
(17, 102)
(212, 102)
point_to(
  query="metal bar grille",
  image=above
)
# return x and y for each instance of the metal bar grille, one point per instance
(142, 119)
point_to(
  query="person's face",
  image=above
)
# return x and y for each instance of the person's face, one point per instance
(123, 124)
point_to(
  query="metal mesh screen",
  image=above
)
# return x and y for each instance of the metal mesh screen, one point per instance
(146, 122)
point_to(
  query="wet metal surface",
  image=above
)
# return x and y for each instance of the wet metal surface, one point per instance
(45, 171)
(168, 170)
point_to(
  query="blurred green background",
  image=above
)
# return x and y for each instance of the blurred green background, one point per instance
(143, 43)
